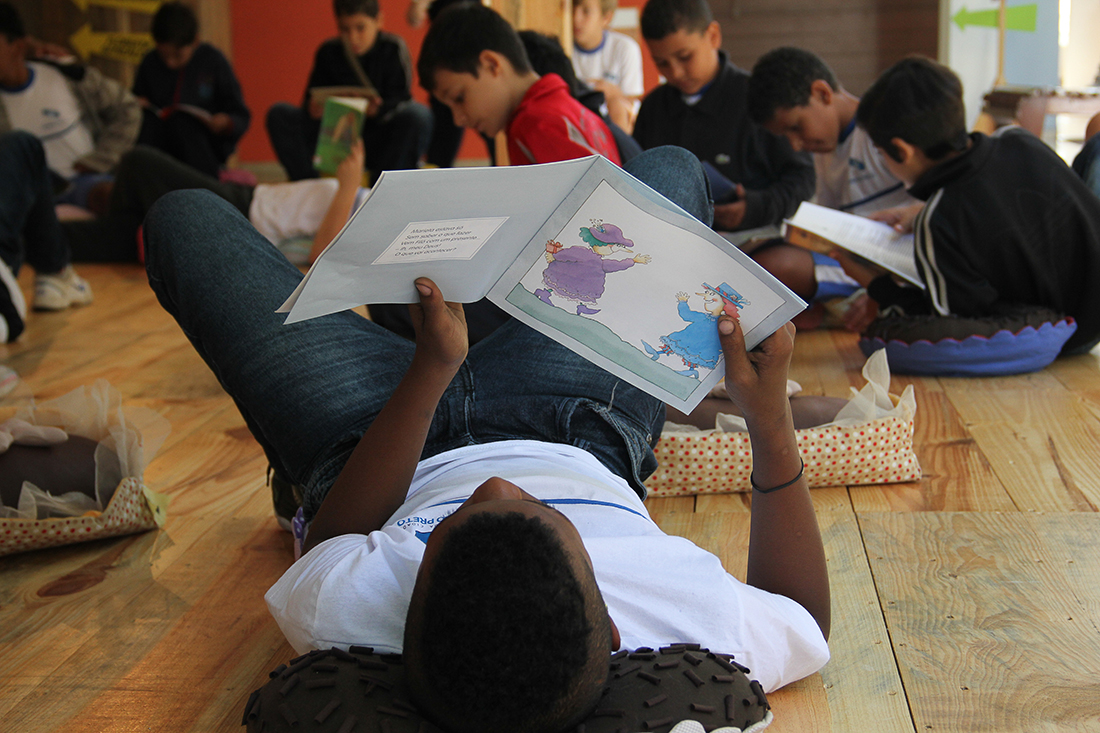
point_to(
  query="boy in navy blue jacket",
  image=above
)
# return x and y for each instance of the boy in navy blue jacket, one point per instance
(194, 109)
(703, 107)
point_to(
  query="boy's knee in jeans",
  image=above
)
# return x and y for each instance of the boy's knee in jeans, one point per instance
(677, 174)
(176, 224)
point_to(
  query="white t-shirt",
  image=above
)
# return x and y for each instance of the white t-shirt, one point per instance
(282, 211)
(660, 589)
(618, 59)
(46, 108)
(854, 178)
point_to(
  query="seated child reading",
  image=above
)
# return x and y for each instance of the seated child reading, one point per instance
(702, 107)
(179, 81)
(479, 515)
(1007, 225)
(84, 120)
(396, 129)
(473, 61)
(793, 93)
(608, 61)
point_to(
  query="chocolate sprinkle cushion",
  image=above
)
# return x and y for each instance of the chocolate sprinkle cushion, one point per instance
(648, 690)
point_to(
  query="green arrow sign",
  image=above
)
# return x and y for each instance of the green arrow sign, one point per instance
(1017, 18)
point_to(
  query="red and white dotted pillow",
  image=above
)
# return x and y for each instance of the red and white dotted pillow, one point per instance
(132, 509)
(880, 452)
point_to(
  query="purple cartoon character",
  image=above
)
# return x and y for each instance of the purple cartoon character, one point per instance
(578, 273)
(697, 344)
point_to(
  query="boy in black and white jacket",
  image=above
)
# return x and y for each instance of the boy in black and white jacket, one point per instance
(1006, 226)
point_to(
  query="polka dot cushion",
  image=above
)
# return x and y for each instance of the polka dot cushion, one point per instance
(880, 452)
(133, 508)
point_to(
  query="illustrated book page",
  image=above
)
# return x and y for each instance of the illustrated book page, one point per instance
(580, 251)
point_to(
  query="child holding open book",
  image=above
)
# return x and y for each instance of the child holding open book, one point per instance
(396, 129)
(1007, 228)
(481, 516)
(793, 93)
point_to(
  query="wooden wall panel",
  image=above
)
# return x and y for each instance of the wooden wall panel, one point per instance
(857, 38)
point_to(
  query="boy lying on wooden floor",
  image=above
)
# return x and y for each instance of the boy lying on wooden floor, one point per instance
(480, 508)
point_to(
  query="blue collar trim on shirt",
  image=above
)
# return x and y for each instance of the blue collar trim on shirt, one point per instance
(603, 40)
(868, 199)
(847, 131)
(30, 80)
(552, 502)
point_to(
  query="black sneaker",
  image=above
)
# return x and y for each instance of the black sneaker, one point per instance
(13, 308)
(286, 497)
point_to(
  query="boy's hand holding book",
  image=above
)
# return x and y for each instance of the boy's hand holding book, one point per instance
(899, 217)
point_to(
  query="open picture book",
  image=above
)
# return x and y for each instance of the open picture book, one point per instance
(579, 250)
(821, 229)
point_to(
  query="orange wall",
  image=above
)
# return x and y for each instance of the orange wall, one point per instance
(273, 46)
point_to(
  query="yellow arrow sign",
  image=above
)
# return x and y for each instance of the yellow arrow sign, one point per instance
(140, 6)
(127, 47)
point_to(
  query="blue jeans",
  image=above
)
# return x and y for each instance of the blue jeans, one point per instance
(29, 231)
(308, 391)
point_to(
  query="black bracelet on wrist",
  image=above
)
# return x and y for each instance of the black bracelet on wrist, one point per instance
(801, 470)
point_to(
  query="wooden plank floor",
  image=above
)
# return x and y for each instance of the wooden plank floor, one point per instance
(968, 601)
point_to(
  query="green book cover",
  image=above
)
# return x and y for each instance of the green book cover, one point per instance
(341, 122)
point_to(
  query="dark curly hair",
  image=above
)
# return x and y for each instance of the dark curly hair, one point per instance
(176, 24)
(781, 79)
(343, 8)
(662, 18)
(918, 101)
(11, 25)
(510, 638)
(457, 37)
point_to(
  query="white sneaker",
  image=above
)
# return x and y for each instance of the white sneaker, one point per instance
(61, 290)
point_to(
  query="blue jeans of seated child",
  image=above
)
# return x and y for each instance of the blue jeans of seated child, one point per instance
(29, 231)
(308, 391)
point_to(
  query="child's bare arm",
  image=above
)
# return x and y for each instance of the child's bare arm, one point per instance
(376, 478)
(348, 175)
(786, 555)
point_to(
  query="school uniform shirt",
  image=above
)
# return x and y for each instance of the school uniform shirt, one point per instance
(854, 178)
(47, 108)
(1006, 224)
(618, 60)
(550, 125)
(659, 589)
(207, 82)
(107, 109)
(715, 126)
(386, 64)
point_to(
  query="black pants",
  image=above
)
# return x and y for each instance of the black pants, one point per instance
(144, 175)
(187, 139)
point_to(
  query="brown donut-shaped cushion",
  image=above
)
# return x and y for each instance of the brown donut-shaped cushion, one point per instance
(358, 690)
(656, 689)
